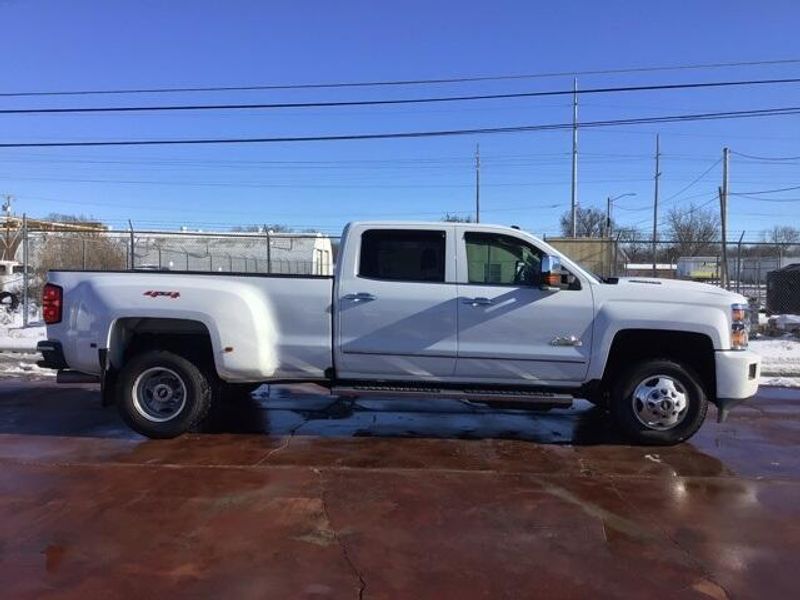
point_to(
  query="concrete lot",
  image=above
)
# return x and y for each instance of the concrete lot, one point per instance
(311, 498)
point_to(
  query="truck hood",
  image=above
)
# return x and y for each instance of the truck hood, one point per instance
(672, 290)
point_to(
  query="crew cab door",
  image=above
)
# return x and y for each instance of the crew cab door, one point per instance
(396, 304)
(509, 329)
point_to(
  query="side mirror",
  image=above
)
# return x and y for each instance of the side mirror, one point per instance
(550, 273)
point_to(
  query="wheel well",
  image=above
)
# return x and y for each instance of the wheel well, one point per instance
(694, 350)
(187, 338)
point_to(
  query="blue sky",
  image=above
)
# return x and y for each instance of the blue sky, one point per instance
(59, 45)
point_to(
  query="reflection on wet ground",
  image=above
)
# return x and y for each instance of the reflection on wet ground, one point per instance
(294, 493)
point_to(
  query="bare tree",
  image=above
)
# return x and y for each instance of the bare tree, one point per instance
(692, 231)
(456, 218)
(782, 238)
(91, 248)
(274, 227)
(634, 244)
(589, 222)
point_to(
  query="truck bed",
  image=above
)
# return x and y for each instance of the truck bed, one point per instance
(261, 326)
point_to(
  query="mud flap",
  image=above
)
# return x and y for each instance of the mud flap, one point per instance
(724, 406)
(108, 379)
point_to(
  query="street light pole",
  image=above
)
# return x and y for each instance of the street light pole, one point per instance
(609, 206)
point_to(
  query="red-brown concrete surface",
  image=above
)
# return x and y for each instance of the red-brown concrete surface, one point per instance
(298, 496)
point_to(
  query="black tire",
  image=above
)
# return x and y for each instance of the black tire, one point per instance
(190, 402)
(624, 410)
(238, 391)
(9, 300)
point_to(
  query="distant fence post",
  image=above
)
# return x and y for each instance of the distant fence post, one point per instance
(133, 247)
(739, 264)
(25, 268)
(269, 251)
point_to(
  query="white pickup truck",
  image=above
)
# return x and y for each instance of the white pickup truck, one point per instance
(480, 312)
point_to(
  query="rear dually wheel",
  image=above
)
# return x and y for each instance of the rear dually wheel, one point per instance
(162, 395)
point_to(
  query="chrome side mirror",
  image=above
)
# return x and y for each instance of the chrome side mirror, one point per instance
(550, 271)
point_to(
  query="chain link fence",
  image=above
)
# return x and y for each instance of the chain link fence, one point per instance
(29, 252)
(749, 265)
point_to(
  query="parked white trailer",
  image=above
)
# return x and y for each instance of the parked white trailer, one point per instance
(250, 252)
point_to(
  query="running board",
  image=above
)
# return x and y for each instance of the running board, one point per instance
(69, 376)
(473, 394)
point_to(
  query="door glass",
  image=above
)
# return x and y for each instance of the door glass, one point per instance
(501, 260)
(402, 255)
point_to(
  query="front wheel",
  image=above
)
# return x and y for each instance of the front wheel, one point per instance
(658, 402)
(162, 395)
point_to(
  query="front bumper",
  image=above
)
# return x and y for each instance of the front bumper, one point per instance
(737, 372)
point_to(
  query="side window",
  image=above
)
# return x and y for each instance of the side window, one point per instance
(402, 255)
(495, 259)
(501, 260)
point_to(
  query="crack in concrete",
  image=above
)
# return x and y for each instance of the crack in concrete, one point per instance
(695, 561)
(362, 584)
(292, 432)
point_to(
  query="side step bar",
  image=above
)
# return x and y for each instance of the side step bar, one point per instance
(68, 376)
(473, 394)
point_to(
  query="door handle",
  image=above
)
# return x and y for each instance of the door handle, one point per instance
(359, 296)
(478, 301)
(568, 340)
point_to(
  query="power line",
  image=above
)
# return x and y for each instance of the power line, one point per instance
(402, 82)
(694, 181)
(246, 184)
(389, 102)
(769, 112)
(766, 158)
(761, 199)
(773, 191)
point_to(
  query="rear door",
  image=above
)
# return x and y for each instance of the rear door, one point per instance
(396, 304)
(510, 330)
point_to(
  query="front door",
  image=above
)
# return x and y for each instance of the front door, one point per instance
(397, 309)
(510, 330)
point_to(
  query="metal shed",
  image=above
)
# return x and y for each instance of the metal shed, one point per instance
(783, 291)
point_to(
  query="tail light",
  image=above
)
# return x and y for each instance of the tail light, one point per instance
(52, 303)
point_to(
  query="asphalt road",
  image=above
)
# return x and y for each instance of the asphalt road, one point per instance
(300, 496)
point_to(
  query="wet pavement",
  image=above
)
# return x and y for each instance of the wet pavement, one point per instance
(297, 495)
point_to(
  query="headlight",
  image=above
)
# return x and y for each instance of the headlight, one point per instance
(740, 326)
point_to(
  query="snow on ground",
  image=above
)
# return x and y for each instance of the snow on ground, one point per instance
(18, 345)
(781, 360)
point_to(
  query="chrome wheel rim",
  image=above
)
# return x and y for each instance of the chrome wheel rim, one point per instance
(159, 394)
(660, 402)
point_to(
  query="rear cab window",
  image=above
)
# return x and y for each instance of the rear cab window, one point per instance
(403, 255)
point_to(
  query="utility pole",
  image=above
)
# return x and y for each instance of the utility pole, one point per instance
(25, 269)
(655, 207)
(723, 214)
(7, 207)
(477, 183)
(573, 219)
(608, 217)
